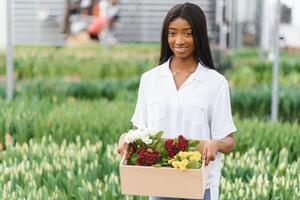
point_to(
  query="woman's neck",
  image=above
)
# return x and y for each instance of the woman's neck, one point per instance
(178, 64)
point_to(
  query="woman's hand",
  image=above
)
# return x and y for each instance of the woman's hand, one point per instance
(210, 150)
(212, 147)
(122, 146)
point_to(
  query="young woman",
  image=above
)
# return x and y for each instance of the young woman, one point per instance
(185, 94)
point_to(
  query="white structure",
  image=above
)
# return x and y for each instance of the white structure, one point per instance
(2, 24)
(37, 22)
(291, 31)
(252, 22)
(268, 16)
(234, 18)
(141, 20)
(33, 22)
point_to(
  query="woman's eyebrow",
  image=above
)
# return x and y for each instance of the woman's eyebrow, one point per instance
(172, 28)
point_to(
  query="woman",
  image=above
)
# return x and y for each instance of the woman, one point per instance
(185, 94)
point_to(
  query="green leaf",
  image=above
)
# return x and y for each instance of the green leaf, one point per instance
(158, 135)
(132, 159)
(158, 144)
(193, 143)
(193, 164)
(191, 149)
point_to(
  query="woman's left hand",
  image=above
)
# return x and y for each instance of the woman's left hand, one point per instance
(210, 150)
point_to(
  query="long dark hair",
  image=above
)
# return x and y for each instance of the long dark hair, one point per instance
(195, 16)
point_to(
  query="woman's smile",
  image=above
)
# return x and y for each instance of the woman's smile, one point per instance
(180, 49)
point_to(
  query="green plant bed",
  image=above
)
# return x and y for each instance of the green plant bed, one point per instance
(262, 134)
(85, 170)
(83, 89)
(259, 61)
(46, 170)
(98, 119)
(106, 120)
(254, 175)
(257, 102)
(249, 76)
(87, 62)
(246, 102)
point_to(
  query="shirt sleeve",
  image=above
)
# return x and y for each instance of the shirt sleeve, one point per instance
(221, 118)
(139, 117)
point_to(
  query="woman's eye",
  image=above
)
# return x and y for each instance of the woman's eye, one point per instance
(172, 33)
(188, 33)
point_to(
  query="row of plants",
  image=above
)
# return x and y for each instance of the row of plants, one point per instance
(81, 170)
(62, 88)
(257, 102)
(124, 61)
(90, 62)
(250, 67)
(46, 170)
(262, 134)
(105, 120)
(96, 120)
(247, 77)
(261, 61)
(255, 175)
(249, 102)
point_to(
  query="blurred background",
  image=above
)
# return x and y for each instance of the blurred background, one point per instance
(231, 23)
(69, 74)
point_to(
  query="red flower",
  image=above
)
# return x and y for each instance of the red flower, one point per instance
(169, 144)
(182, 143)
(173, 148)
(147, 156)
(139, 150)
(171, 153)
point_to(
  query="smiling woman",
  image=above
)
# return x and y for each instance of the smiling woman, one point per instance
(181, 43)
(185, 95)
(192, 22)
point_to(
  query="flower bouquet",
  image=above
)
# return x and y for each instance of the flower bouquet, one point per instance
(156, 166)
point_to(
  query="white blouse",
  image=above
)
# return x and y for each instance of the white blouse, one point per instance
(199, 109)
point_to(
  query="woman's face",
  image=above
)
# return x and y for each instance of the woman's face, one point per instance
(180, 38)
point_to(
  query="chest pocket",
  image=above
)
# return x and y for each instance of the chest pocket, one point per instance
(156, 109)
(194, 113)
(194, 119)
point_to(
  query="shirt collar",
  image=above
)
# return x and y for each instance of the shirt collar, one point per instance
(198, 75)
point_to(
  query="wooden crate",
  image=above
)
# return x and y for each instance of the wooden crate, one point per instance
(162, 181)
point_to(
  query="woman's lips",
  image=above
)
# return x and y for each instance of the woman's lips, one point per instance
(180, 49)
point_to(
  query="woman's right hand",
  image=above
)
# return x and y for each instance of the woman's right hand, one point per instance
(122, 146)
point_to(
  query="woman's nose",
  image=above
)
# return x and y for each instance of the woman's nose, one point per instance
(179, 39)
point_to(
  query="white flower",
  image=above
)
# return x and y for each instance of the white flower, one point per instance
(143, 134)
(147, 140)
(129, 137)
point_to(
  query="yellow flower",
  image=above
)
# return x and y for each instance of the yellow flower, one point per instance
(170, 161)
(183, 164)
(183, 154)
(179, 164)
(175, 164)
(195, 156)
(183, 158)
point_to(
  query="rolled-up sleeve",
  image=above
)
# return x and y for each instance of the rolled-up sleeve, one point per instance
(139, 117)
(221, 118)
